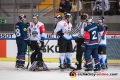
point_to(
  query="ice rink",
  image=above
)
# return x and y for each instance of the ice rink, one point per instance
(8, 72)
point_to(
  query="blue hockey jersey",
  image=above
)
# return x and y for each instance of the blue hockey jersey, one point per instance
(21, 31)
(91, 35)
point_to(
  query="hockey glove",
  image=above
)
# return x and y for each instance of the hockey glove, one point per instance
(60, 33)
(40, 44)
(76, 39)
(28, 24)
(83, 47)
(27, 42)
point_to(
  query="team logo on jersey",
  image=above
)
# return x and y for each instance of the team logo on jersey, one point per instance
(25, 29)
(34, 28)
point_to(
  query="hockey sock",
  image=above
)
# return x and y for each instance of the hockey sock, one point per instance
(104, 59)
(89, 63)
(65, 60)
(62, 57)
(69, 57)
(100, 58)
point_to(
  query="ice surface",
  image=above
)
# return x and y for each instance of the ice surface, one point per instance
(8, 72)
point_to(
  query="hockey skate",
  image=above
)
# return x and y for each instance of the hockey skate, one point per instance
(19, 66)
(69, 67)
(89, 69)
(97, 69)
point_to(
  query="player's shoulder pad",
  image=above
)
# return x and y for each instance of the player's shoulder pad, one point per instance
(40, 23)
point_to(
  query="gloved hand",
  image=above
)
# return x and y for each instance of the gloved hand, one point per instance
(28, 24)
(28, 42)
(60, 33)
(83, 47)
(76, 39)
(40, 44)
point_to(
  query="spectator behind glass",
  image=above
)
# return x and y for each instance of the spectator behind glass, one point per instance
(64, 6)
(74, 10)
(98, 7)
(118, 7)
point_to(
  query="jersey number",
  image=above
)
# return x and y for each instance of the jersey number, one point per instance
(17, 32)
(94, 35)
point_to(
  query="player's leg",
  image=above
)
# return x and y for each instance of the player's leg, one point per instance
(79, 53)
(62, 51)
(24, 49)
(69, 54)
(19, 51)
(96, 59)
(104, 58)
(88, 59)
(100, 55)
(33, 55)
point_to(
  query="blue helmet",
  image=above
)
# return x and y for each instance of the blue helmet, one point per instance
(22, 16)
(68, 15)
(58, 17)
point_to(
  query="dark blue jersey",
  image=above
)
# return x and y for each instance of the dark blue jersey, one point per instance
(91, 35)
(21, 31)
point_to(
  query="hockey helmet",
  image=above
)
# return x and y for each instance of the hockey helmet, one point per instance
(89, 20)
(68, 15)
(22, 16)
(83, 17)
(86, 15)
(35, 16)
(58, 17)
(101, 19)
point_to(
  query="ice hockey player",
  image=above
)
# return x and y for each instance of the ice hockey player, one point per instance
(58, 18)
(37, 31)
(102, 44)
(65, 46)
(90, 45)
(21, 41)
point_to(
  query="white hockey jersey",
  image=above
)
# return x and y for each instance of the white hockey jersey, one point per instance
(37, 31)
(64, 26)
(102, 38)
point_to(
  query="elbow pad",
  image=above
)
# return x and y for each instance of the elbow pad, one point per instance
(106, 28)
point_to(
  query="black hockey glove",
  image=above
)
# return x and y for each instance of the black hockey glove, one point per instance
(28, 24)
(28, 42)
(106, 28)
(83, 47)
(60, 33)
(40, 44)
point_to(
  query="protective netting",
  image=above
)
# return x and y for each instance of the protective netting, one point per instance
(113, 51)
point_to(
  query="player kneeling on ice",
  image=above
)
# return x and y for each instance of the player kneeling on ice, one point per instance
(37, 31)
(21, 41)
(102, 44)
(90, 45)
(65, 45)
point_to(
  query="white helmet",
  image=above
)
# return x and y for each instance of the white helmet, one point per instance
(89, 20)
(35, 16)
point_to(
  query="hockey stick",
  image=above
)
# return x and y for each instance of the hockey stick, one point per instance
(28, 57)
(47, 42)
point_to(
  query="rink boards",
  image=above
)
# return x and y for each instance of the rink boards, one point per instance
(8, 51)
